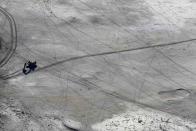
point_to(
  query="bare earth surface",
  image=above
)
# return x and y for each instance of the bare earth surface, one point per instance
(103, 65)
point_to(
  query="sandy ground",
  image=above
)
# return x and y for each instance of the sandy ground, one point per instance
(76, 88)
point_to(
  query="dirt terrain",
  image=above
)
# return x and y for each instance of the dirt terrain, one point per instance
(103, 65)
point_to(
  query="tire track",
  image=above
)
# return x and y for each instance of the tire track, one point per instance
(13, 42)
(101, 54)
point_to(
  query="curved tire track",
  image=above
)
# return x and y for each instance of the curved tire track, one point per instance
(13, 41)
